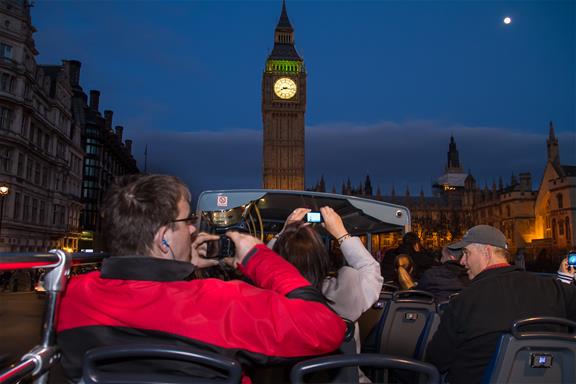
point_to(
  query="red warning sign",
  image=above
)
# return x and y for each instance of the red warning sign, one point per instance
(222, 201)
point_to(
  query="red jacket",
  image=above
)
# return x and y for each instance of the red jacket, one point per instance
(150, 300)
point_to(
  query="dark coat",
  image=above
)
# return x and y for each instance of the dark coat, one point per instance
(475, 319)
(444, 280)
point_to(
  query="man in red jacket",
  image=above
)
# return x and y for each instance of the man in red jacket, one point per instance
(146, 292)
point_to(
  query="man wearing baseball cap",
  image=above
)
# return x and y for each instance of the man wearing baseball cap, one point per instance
(498, 295)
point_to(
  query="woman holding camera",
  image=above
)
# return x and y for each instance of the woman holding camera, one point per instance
(350, 289)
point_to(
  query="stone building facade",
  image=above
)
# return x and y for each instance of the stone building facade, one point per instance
(40, 143)
(58, 154)
(107, 155)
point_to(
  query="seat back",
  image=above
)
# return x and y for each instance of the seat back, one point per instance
(363, 360)
(92, 374)
(371, 320)
(409, 316)
(535, 356)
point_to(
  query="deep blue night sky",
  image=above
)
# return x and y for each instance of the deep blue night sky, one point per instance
(388, 83)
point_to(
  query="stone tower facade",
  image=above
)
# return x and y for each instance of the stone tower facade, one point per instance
(283, 109)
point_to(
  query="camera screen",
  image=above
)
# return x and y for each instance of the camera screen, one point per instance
(572, 259)
(313, 217)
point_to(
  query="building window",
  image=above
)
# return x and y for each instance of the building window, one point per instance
(5, 118)
(45, 177)
(46, 142)
(34, 211)
(7, 82)
(568, 233)
(29, 169)
(60, 150)
(560, 200)
(554, 229)
(42, 213)
(25, 123)
(20, 169)
(26, 209)
(17, 206)
(560, 227)
(58, 217)
(5, 159)
(37, 174)
(5, 51)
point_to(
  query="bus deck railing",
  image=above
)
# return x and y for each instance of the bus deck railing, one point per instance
(37, 362)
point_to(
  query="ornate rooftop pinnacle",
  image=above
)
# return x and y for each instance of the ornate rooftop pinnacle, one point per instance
(284, 22)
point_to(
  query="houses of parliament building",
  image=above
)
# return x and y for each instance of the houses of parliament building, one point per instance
(530, 219)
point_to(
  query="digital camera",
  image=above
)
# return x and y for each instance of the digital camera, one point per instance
(221, 248)
(313, 217)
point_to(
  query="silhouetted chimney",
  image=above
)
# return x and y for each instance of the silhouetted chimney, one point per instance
(73, 71)
(128, 144)
(119, 131)
(94, 99)
(108, 118)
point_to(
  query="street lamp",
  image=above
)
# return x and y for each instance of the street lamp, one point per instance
(4, 190)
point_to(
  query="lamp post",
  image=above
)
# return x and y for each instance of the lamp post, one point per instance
(4, 190)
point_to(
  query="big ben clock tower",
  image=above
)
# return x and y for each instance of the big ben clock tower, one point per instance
(283, 108)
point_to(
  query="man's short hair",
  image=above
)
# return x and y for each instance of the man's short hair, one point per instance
(135, 208)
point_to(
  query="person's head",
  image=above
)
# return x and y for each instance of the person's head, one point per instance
(482, 246)
(411, 241)
(143, 215)
(302, 247)
(450, 254)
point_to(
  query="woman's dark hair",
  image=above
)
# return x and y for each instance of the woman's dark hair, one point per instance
(302, 247)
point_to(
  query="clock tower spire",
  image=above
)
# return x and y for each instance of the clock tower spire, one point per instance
(283, 108)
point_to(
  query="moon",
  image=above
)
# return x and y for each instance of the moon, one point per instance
(507, 20)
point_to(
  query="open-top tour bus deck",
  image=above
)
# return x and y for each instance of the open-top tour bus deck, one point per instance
(259, 212)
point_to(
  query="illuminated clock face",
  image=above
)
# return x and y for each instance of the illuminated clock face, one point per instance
(285, 88)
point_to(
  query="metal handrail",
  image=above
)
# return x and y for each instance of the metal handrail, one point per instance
(42, 357)
(30, 260)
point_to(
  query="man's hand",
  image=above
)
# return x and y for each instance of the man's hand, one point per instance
(333, 222)
(243, 243)
(565, 268)
(198, 251)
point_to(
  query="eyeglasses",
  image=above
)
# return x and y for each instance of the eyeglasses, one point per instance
(190, 220)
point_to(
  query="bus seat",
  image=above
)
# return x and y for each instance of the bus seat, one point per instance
(228, 370)
(405, 328)
(409, 314)
(536, 355)
(369, 321)
(363, 360)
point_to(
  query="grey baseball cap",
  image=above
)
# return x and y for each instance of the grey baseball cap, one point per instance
(482, 234)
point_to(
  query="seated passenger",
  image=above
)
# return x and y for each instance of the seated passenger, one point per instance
(412, 247)
(144, 293)
(498, 295)
(350, 291)
(446, 279)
